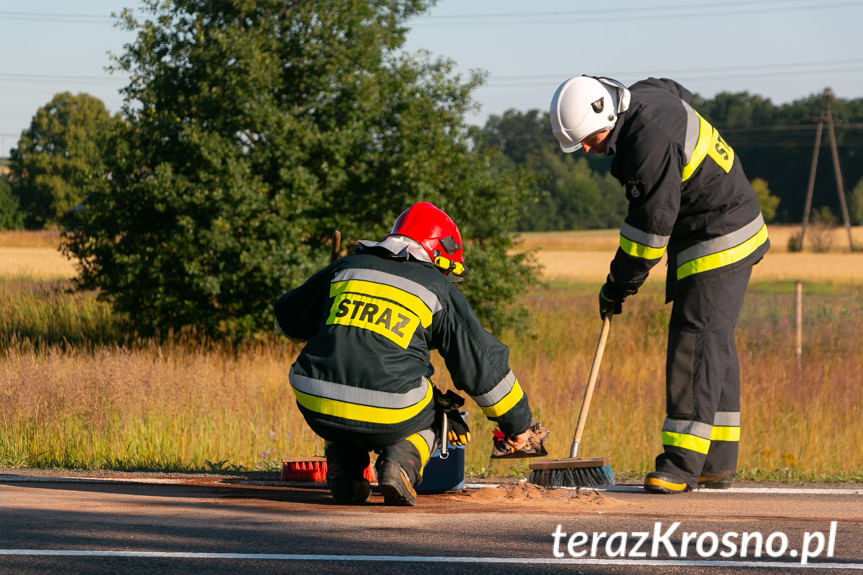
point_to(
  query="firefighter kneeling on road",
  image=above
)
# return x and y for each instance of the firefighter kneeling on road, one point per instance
(370, 320)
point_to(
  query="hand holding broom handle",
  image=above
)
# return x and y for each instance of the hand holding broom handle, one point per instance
(591, 384)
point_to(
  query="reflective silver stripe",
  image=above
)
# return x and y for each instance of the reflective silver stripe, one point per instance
(644, 238)
(721, 243)
(693, 128)
(402, 246)
(696, 428)
(727, 419)
(498, 392)
(429, 437)
(358, 396)
(426, 295)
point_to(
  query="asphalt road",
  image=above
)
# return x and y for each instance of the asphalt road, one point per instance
(142, 524)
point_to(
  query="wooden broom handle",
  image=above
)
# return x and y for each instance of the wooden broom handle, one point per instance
(336, 245)
(591, 384)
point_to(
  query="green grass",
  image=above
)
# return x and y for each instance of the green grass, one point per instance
(46, 313)
(77, 390)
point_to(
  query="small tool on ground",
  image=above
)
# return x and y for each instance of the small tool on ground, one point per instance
(575, 471)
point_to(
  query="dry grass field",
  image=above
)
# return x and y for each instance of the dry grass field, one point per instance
(602, 240)
(585, 256)
(33, 255)
(74, 392)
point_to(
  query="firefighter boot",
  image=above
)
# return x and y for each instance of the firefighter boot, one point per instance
(345, 465)
(399, 468)
(716, 480)
(661, 482)
(394, 483)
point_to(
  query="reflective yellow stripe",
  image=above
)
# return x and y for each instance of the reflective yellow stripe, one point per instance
(421, 446)
(710, 143)
(723, 258)
(381, 316)
(686, 441)
(719, 433)
(638, 250)
(357, 412)
(506, 403)
(401, 297)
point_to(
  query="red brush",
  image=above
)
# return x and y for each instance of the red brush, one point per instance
(312, 469)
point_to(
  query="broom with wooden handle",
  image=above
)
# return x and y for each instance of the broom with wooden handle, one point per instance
(574, 471)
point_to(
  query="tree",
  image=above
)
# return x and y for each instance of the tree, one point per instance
(252, 129)
(11, 217)
(735, 110)
(766, 200)
(855, 204)
(565, 193)
(58, 157)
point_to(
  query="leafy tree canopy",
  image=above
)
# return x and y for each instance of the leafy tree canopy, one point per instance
(565, 192)
(766, 200)
(254, 128)
(58, 157)
(11, 217)
(855, 204)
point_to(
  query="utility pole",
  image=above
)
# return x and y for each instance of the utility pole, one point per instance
(826, 115)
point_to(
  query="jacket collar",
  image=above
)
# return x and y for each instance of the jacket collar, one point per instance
(611, 140)
(400, 247)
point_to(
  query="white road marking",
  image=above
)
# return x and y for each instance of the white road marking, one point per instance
(758, 490)
(428, 559)
(750, 490)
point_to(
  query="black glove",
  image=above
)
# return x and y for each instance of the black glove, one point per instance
(447, 405)
(611, 297)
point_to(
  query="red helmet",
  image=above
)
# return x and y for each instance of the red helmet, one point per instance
(436, 233)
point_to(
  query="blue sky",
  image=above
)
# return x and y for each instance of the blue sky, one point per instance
(782, 50)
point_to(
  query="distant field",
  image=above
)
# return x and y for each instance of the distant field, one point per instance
(28, 239)
(33, 255)
(35, 263)
(565, 256)
(599, 240)
(584, 256)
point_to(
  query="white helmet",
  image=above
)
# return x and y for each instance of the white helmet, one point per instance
(584, 105)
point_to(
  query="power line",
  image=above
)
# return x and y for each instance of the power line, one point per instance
(39, 78)
(757, 70)
(819, 64)
(507, 80)
(654, 12)
(67, 18)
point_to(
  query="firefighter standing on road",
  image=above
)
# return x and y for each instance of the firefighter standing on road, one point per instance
(689, 199)
(369, 321)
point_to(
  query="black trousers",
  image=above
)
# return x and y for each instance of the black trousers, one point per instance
(701, 432)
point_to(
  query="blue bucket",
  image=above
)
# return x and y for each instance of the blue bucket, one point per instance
(442, 475)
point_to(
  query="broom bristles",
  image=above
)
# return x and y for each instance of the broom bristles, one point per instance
(600, 476)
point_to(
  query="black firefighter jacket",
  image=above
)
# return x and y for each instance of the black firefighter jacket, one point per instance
(687, 192)
(370, 321)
